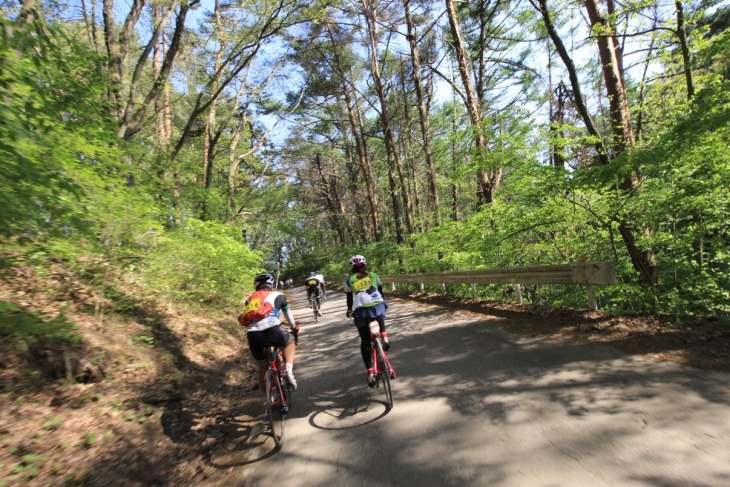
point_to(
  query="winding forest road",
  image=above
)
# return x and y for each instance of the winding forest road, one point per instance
(475, 406)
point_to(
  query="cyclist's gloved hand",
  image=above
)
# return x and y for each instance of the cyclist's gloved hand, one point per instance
(349, 313)
(295, 332)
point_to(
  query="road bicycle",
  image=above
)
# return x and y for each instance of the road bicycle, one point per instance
(278, 393)
(316, 304)
(382, 369)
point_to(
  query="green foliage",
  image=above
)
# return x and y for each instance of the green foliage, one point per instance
(30, 467)
(686, 203)
(52, 424)
(22, 324)
(203, 262)
(54, 137)
(102, 205)
(146, 339)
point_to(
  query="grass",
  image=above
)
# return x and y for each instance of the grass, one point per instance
(52, 424)
(29, 467)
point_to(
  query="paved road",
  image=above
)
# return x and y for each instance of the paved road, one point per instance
(477, 407)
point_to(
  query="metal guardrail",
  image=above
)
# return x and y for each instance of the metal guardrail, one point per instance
(589, 274)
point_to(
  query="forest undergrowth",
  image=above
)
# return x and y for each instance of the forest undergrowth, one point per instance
(135, 395)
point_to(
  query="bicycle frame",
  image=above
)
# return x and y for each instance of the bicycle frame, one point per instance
(381, 375)
(277, 370)
(278, 397)
(374, 338)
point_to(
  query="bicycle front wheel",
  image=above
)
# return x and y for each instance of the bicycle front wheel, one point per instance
(276, 406)
(384, 375)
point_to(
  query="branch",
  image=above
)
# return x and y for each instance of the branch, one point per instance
(449, 81)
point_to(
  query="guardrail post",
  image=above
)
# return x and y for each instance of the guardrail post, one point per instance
(518, 290)
(592, 303)
(421, 287)
(473, 291)
(443, 288)
(392, 286)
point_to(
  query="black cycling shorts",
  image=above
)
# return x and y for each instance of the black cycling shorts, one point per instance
(276, 336)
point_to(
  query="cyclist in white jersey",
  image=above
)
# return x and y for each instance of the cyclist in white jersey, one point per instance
(365, 302)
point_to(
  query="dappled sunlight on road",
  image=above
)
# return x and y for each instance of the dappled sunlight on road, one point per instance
(476, 406)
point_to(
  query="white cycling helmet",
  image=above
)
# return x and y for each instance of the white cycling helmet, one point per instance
(357, 261)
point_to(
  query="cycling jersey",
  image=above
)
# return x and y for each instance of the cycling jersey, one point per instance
(278, 301)
(365, 290)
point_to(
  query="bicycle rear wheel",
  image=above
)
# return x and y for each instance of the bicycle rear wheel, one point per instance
(384, 375)
(316, 309)
(276, 405)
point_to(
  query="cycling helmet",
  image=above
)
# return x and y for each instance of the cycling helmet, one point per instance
(357, 262)
(264, 279)
(312, 273)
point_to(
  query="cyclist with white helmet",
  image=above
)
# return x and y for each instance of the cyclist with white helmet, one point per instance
(314, 286)
(261, 317)
(364, 291)
(318, 275)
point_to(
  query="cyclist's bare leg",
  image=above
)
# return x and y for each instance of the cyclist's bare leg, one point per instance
(289, 352)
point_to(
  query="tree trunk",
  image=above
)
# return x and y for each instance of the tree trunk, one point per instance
(643, 261)
(359, 140)
(574, 83)
(454, 168)
(684, 48)
(132, 119)
(370, 11)
(422, 114)
(117, 46)
(359, 226)
(332, 216)
(612, 65)
(209, 140)
(487, 182)
(162, 105)
(408, 159)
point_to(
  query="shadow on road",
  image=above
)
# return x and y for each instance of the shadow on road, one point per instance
(476, 406)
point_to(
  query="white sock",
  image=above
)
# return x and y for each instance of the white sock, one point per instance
(289, 367)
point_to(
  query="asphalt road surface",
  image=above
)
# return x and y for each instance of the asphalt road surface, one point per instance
(474, 406)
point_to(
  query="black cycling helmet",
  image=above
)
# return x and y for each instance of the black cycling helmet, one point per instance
(263, 280)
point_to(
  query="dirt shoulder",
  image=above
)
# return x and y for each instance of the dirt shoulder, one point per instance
(168, 383)
(702, 344)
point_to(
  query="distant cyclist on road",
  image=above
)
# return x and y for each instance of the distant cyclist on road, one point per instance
(313, 289)
(318, 275)
(364, 291)
(260, 316)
